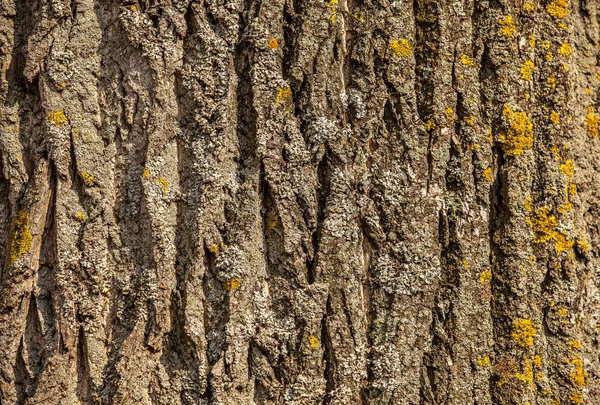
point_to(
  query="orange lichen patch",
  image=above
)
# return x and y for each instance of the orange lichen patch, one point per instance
(486, 276)
(555, 117)
(562, 310)
(558, 8)
(233, 283)
(575, 397)
(520, 133)
(507, 26)
(58, 118)
(487, 174)
(313, 341)
(531, 259)
(465, 60)
(549, 57)
(591, 123)
(523, 332)
(579, 375)
(132, 8)
(273, 44)
(572, 189)
(567, 168)
(87, 178)
(565, 49)
(536, 361)
(19, 237)
(214, 249)
(484, 361)
(401, 47)
(574, 344)
(527, 70)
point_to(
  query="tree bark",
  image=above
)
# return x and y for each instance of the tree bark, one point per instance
(299, 202)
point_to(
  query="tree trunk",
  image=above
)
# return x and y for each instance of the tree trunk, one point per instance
(299, 202)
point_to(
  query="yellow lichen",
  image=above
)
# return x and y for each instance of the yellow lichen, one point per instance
(19, 238)
(146, 172)
(430, 124)
(523, 332)
(582, 244)
(233, 283)
(332, 5)
(58, 118)
(551, 82)
(549, 57)
(273, 220)
(401, 47)
(283, 93)
(576, 397)
(527, 70)
(579, 375)
(565, 49)
(545, 229)
(214, 249)
(531, 259)
(528, 202)
(81, 216)
(449, 112)
(527, 375)
(574, 344)
(313, 341)
(87, 178)
(532, 40)
(471, 121)
(567, 168)
(520, 133)
(572, 189)
(132, 8)
(465, 60)
(487, 174)
(562, 311)
(507, 27)
(486, 276)
(591, 124)
(536, 361)
(163, 184)
(358, 16)
(474, 147)
(273, 44)
(555, 117)
(558, 8)
(529, 7)
(484, 361)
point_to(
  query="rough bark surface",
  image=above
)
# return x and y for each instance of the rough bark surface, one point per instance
(299, 202)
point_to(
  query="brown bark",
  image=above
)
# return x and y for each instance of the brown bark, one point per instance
(299, 202)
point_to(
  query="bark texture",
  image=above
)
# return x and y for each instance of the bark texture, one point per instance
(299, 202)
